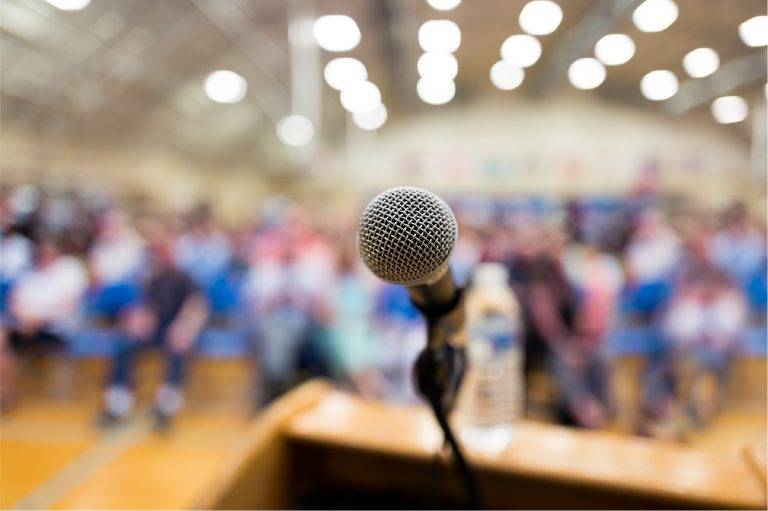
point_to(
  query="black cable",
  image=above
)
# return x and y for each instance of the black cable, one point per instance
(470, 481)
(436, 484)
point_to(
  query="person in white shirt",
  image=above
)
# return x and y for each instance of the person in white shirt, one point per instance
(46, 299)
(44, 305)
(116, 260)
(652, 258)
(15, 254)
(704, 324)
(739, 248)
(204, 251)
(117, 252)
(654, 249)
(15, 259)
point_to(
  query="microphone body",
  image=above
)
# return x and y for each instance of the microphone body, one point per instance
(407, 236)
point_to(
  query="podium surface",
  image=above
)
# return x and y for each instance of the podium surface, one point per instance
(317, 437)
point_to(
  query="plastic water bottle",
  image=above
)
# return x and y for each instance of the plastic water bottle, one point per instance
(492, 398)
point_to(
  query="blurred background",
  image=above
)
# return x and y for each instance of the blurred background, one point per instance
(188, 176)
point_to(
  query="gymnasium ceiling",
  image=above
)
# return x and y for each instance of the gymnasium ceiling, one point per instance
(130, 72)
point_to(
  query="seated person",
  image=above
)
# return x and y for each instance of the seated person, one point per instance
(738, 249)
(15, 255)
(203, 252)
(115, 260)
(45, 300)
(652, 257)
(170, 316)
(553, 343)
(704, 323)
(44, 305)
(347, 324)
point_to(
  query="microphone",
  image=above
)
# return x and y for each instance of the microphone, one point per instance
(406, 236)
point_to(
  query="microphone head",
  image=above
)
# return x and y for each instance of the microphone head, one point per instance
(406, 236)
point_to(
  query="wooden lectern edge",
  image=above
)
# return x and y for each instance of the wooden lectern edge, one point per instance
(279, 423)
(757, 464)
(271, 423)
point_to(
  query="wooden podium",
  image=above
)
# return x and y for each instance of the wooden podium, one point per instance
(315, 438)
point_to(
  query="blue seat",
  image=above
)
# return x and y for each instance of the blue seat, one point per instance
(757, 292)
(754, 341)
(635, 340)
(92, 342)
(645, 299)
(5, 291)
(108, 301)
(213, 343)
(223, 343)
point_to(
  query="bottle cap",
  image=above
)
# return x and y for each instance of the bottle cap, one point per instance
(490, 274)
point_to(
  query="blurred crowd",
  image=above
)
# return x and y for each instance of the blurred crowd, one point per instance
(680, 289)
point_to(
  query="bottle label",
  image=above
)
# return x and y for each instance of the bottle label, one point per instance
(503, 341)
(498, 330)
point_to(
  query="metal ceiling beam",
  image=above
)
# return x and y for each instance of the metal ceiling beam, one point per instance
(731, 75)
(400, 21)
(271, 93)
(82, 123)
(70, 65)
(580, 40)
(134, 124)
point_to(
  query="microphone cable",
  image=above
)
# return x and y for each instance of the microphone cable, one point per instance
(470, 481)
(436, 481)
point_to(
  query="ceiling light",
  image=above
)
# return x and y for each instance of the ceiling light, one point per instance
(438, 65)
(701, 62)
(659, 85)
(615, 49)
(69, 5)
(655, 15)
(729, 109)
(295, 130)
(342, 72)
(540, 17)
(360, 97)
(754, 31)
(521, 50)
(505, 76)
(336, 32)
(225, 86)
(586, 73)
(439, 36)
(436, 92)
(372, 120)
(444, 5)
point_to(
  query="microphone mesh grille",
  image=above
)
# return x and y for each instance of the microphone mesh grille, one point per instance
(406, 234)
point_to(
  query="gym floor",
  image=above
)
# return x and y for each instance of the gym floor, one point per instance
(54, 456)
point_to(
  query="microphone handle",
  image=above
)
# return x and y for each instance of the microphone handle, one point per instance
(436, 299)
(442, 305)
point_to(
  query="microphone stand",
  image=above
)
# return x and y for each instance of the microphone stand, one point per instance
(439, 371)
